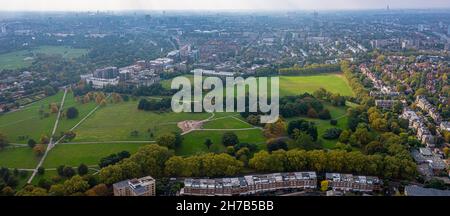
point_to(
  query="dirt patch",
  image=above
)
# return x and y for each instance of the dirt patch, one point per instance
(189, 125)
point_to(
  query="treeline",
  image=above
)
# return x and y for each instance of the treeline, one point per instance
(304, 104)
(309, 70)
(334, 161)
(154, 105)
(355, 83)
(159, 161)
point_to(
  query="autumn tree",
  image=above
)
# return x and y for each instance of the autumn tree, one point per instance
(276, 129)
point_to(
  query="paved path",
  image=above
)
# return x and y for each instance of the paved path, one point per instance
(81, 121)
(102, 142)
(50, 144)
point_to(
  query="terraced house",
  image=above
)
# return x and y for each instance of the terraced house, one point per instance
(248, 185)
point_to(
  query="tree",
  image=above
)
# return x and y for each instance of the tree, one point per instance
(60, 170)
(324, 114)
(31, 143)
(7, 191)
(74, 185)
(229, 139)
(54, 108)
(98, 190)
(276, 129)
(82, 169)
(3, 141)
(39, 149)
(167, 140)
(41, 171)
(324, 185)
(345, 136)
(44, 139)
(71, 113)
(276, 144)
(68, 172)
(304, 126)
(304, 141)
(208, 143)
(312, 113)
(31, 190)
(332, 133)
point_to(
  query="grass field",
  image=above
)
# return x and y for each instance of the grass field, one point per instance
(24, 58)
(295, 85)
(83, 110)
(227, 123)
(22, 157)
(27, 123)
(89, 154)
(115, 122)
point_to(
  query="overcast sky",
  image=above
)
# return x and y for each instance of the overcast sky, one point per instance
(84, 5)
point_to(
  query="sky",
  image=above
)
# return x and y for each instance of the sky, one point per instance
(90, 5)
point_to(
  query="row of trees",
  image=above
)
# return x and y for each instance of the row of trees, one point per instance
(304, 104)
(154, 105)
(333, 161)
(308, 70)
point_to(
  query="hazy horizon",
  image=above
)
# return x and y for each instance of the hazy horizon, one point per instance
(250, 5)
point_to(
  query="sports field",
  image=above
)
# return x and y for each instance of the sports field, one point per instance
(24, 58)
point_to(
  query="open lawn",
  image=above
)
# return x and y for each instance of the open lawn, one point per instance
(89, 154)
(66, 124)
(295, 85)
(26, 123)
(24, 58)
(230, 122)
(115, 122)
(21, 157)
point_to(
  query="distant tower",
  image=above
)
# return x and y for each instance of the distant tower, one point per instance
(387, 8)
(3, 29)
(448, 30)
(316, 14)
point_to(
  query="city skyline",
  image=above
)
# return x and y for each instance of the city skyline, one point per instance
(86, 5)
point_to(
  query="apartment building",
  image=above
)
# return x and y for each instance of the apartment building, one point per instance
(349, 182)
(145, 186)
(248, 185)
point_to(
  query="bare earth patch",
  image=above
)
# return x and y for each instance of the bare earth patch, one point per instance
(189, 125)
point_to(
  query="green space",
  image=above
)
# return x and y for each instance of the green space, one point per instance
(227, 123)
(295, 85)
(20, 157)
(193, 143)
(338, 113)
(116, 122)
(26, 123)
(89, 154)
(66, 124)
(24, 58)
